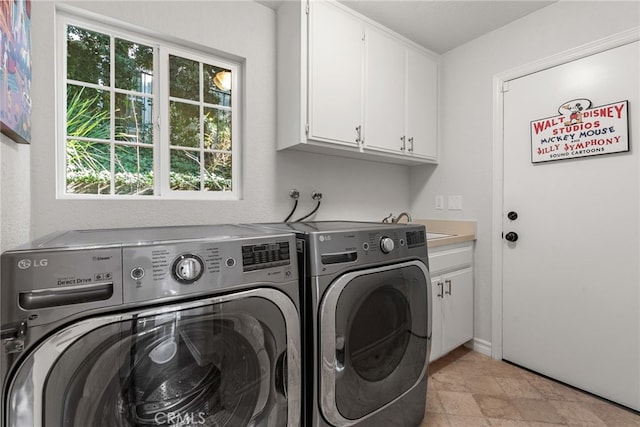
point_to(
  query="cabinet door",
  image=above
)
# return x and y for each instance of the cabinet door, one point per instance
(422, 92)
(436, 318)
(457, 310)
(336, 51)
(385, 92)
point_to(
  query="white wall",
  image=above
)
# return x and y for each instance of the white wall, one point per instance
(466, 131)
(15, 199)
(352, 189)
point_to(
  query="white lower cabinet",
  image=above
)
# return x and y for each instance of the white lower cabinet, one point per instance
(451, 269)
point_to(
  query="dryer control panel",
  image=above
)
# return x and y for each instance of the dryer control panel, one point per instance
(332, 251)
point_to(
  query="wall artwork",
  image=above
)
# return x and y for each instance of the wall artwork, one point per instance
(580, 131)
(15, 69)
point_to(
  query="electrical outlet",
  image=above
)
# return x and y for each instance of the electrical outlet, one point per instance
(455, 203)
(439, 202)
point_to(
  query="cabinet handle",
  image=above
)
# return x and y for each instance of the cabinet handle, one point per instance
(441, 291)
(404, 143)
(359, 137)
(448, 282)
(411, 146)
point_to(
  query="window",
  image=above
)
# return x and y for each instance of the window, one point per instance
(145, 118)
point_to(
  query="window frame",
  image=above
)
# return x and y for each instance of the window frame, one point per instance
(163, 47)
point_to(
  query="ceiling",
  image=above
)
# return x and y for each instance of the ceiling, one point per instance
(440, 25)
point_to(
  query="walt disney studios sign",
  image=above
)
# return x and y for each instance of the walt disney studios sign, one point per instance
(580, 131)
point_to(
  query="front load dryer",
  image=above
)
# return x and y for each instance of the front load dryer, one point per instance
(168, 326)
(366, 323)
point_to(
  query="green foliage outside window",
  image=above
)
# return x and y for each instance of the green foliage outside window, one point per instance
(96, 156)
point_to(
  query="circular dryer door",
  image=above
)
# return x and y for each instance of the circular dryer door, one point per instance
(374, 327)
(222, 363)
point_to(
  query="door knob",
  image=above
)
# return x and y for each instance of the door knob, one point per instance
(513, 215)
(511, 236)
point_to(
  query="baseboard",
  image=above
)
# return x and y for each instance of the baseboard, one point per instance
(481, 346)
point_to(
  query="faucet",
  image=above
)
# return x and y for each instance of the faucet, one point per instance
(405, 214)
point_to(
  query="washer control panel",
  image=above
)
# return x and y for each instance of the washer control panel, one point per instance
(266, 255)
(156, 271)
(77, 271)
(187, 268)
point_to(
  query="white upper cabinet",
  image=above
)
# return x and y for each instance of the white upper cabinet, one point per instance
(422, 107)
(384, 124)
(349, 87)
(400, 97)
(335, 75)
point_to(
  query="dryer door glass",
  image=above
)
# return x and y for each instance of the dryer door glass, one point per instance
(379, 325)
(221, 364)
(379, 333)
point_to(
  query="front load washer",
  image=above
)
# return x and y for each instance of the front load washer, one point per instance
(180, 326)
(366, 322)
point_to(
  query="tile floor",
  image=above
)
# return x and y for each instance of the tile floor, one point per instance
(467, 388)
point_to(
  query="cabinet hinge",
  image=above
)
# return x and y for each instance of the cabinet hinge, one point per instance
(306, 129)
(505, 87)
(306, 8)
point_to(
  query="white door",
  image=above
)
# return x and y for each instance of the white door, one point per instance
(571, 281)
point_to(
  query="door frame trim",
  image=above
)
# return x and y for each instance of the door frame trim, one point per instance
(616, 40)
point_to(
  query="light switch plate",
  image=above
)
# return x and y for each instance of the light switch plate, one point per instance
(440, 202)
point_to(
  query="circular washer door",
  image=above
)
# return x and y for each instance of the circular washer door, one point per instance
(226, 361)
(185, 372)
(373, 327)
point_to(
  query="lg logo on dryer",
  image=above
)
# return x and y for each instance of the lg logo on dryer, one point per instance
(24, 264)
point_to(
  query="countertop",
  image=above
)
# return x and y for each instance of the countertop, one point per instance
(448, 232)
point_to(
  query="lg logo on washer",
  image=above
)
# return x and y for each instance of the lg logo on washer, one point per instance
(24, 264)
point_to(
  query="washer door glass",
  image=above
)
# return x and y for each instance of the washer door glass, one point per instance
(222, 364)
(376, 322)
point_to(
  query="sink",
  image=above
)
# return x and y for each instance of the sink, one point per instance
(431, 236)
